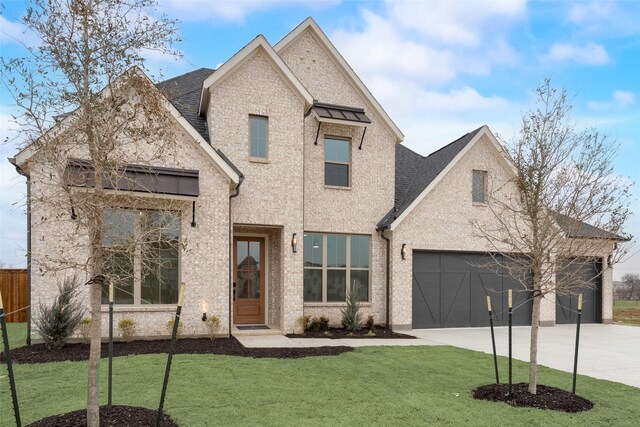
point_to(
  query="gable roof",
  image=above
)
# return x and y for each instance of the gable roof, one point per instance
(310, 25)
(415, 174)
(219, 160)
(259, 43)
(576, 229)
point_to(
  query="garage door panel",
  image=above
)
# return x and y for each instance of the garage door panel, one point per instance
(450, 290)
(567, 305)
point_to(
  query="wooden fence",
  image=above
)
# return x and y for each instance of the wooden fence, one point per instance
(13, 285)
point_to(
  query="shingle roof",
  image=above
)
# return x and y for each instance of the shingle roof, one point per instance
(184, 92)
(581, 230)
(414, 173)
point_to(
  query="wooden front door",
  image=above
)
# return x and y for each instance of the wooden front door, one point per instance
(248, 280)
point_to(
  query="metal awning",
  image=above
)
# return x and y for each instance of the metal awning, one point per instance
(139, 178)
(339, 114)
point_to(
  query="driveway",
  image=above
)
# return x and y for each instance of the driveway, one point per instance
(610, 352)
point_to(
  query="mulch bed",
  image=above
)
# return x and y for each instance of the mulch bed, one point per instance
(38, 353)
(115, 415)
(337, 333)
(546, 398)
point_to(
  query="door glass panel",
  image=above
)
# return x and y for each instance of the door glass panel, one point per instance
(242, 249)
(248, 270)
(254, 284)
(254, 255)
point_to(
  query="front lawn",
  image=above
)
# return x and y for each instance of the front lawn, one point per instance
(369, 386)
(17, 333)
(626, 312)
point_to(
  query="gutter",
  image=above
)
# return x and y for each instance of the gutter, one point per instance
(236, 193)
(388, 272)
(12, 160)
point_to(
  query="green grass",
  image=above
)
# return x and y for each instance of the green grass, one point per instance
(17, 333)
(626, 312)
(370, 386)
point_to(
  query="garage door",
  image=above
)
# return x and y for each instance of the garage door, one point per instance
(567, 305)
(450, 289)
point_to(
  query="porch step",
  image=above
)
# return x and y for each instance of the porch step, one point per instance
(254, 332)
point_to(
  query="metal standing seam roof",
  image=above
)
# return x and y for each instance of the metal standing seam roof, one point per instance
(340, 112)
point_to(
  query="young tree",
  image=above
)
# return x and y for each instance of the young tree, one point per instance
(82, 95)
(563, 182)
(632, 281)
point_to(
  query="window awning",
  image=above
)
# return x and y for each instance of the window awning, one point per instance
(139, 178)
(339, 114)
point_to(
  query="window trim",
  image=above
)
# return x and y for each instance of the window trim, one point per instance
(258, 159)
(485, 186)
(349, 163)
(137, 260)
(324, 268)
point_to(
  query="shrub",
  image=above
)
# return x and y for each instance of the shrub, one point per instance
(127, 328)
(212, 323)
(170, 326)
(85, 330)
(351, 316)
(370, 323)
(303, 322)
(319, 324)
(57, 323)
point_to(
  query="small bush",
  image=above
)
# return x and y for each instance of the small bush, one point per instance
(85, 330)
(303, 323)
(170, 326)
(319, 324)
(351, 316)
(212, 323)
(57, 323)
(127, 328)
(370, 323)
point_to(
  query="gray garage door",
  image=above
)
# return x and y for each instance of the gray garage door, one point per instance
(450, 289)
(567, 305)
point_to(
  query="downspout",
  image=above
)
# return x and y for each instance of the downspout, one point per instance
(388, 272)
(233, 195)
(26, 175)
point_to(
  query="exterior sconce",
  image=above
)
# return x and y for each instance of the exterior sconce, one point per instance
(610, 260)
(403, 251)
(204, 316)
(294, 243)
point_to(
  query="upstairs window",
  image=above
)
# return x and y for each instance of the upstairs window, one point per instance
(337, 162)
(258, 137)
(479, 186)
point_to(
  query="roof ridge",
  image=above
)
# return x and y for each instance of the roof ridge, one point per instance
(453, 142)
(185, 74)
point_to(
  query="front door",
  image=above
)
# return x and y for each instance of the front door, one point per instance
(248, 280)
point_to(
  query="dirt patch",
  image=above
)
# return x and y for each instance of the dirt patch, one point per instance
(337, 333)
(546, 398)
(627, 316)
(115, 415)
(38, 353)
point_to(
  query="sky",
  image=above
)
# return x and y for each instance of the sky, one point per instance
(439, 68)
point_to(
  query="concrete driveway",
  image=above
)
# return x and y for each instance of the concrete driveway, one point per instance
(610, 352)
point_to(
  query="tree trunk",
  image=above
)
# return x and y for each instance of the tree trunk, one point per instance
(533, 349)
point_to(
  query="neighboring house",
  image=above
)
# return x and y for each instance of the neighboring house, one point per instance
(300, 187)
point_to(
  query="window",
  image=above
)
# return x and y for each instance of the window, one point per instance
(337, 159)
(258, 137)
(479, 186)
(331, 261)
(141, 256)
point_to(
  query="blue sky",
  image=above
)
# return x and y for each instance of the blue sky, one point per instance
(440, 69)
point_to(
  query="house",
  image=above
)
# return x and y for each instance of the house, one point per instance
(290, 185)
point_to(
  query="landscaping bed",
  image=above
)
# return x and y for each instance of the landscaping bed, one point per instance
(38, 353)
(336, 333)
(115, 415)
(546, 398)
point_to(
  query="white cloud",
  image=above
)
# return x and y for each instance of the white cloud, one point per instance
(605, 18)
(619, 99)
(589, 54)
(230, 10)
(16, 32)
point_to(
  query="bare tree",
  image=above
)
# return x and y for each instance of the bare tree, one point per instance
(88, 112)
(563, 207)
(632, 282)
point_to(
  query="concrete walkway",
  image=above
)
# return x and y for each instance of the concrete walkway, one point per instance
(610, 352)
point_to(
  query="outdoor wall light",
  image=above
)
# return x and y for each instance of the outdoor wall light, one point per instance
(204, 316)
(294, 243)
(610, 260)
(403, 251)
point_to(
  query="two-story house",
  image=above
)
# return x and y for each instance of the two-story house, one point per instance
(293, 187)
